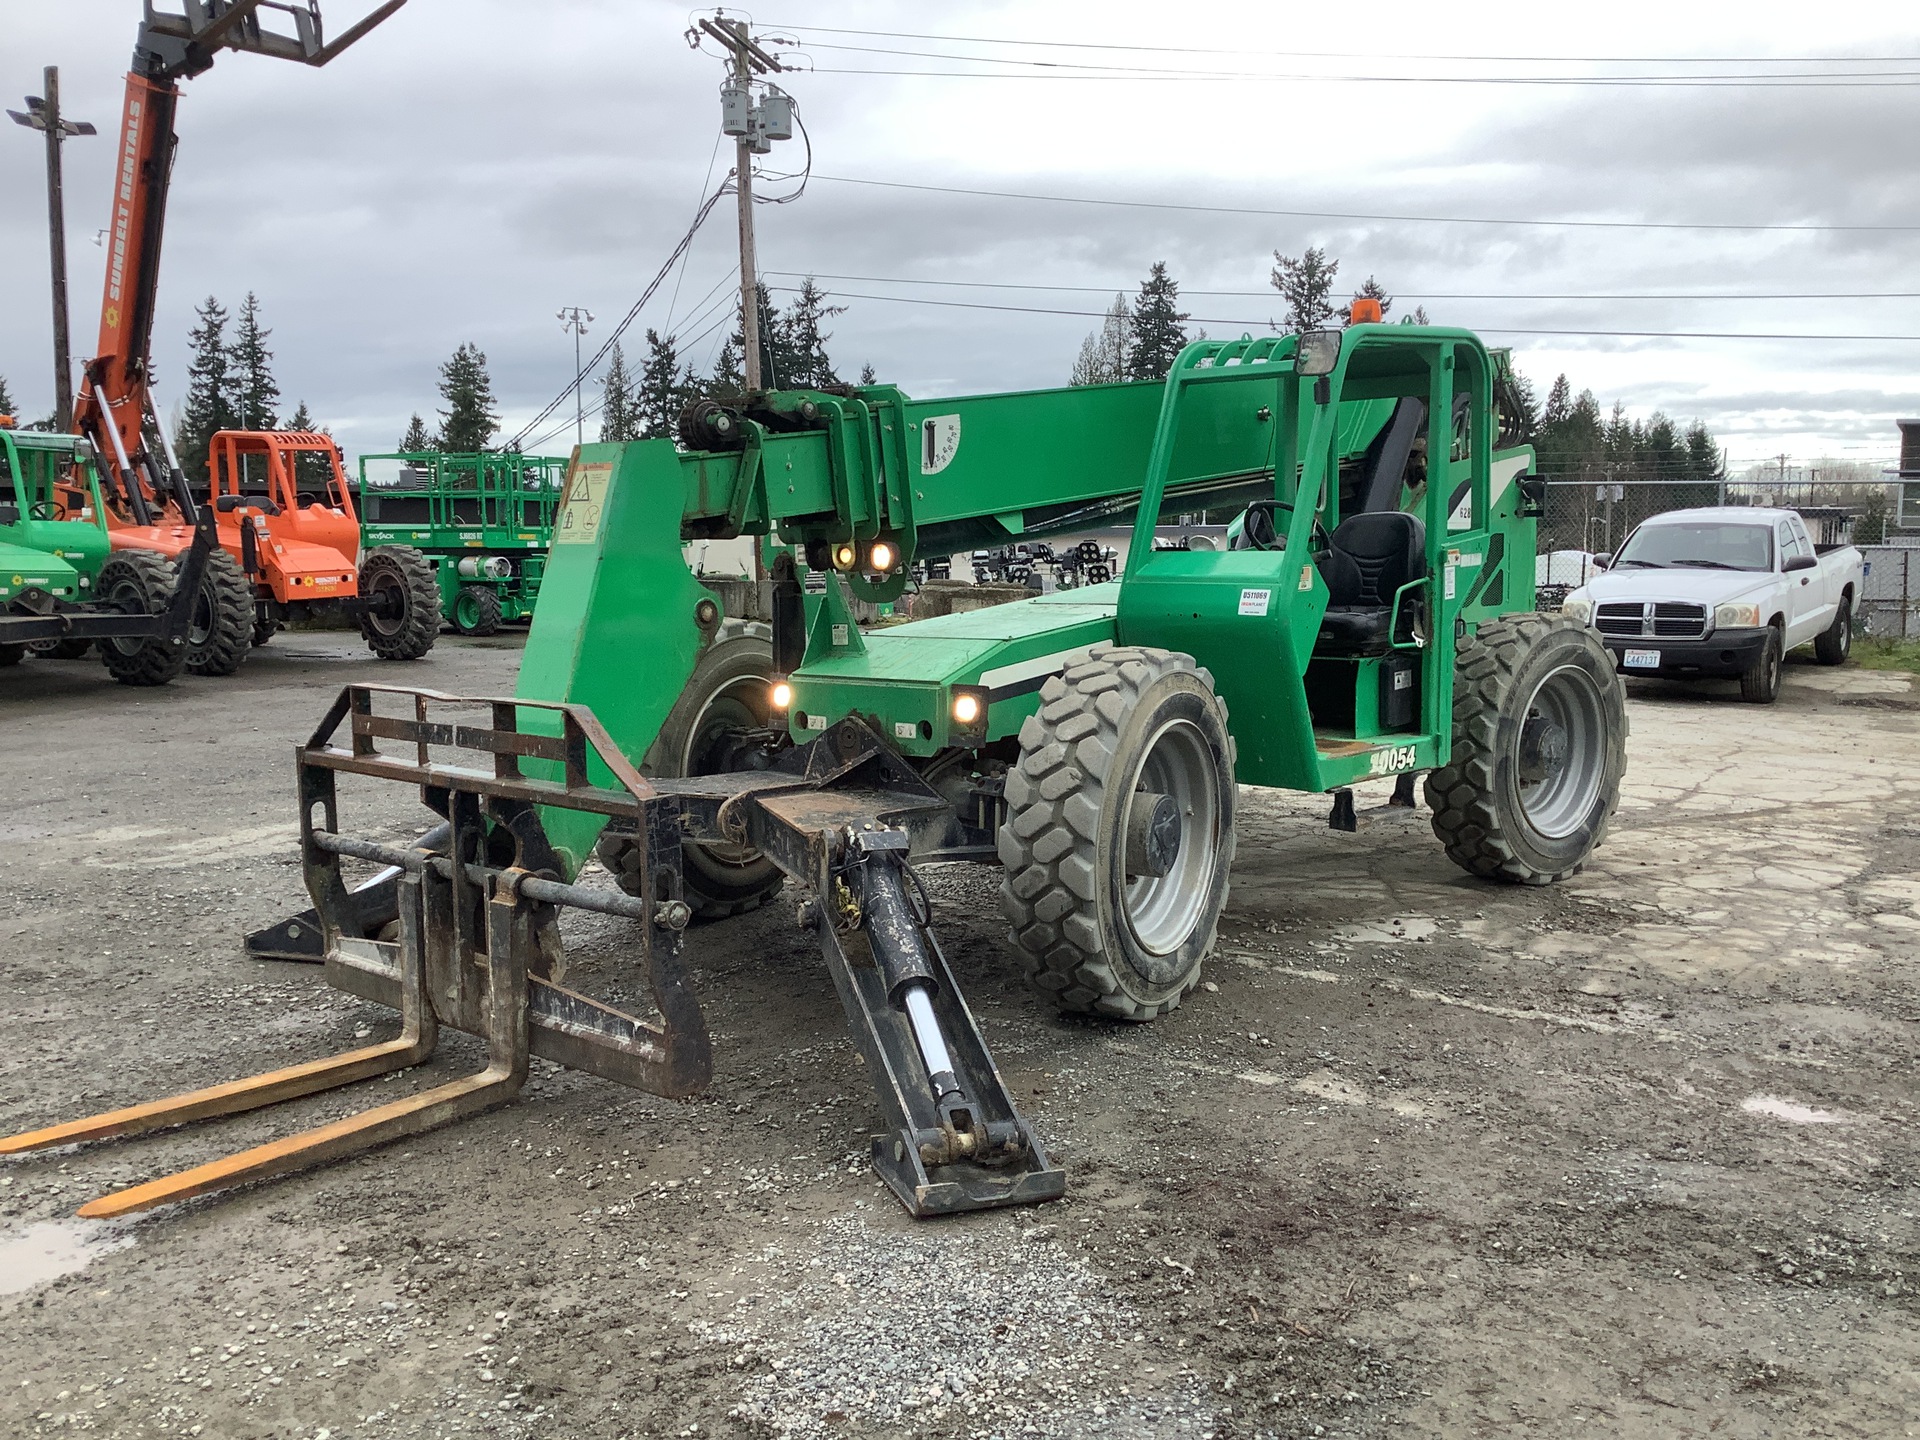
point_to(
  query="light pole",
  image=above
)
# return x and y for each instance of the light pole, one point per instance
(576, 319)
(43, 113)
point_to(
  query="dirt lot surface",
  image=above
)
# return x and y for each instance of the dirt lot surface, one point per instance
(1631, 1156)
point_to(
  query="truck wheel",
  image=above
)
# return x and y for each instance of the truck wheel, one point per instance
(476, 610)
(1119, 832)
(726, 695)
(61, 649)
(1760, 681)
(1539, 746)
(220, 629)
(1835, 643)
(138, 582)
(403, 616)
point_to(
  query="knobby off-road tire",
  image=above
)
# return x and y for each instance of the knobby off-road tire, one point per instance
(1129, 735)
(220, 629)
(1760, 681)
(139, 582)
(402, 578)
(1835, 643)
(727, 692)
(1539, 746)
(476, 611)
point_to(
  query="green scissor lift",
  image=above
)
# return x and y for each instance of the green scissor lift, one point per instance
(483, 520)
(1375, 620)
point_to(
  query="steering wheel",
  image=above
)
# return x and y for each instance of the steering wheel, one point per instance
(1261, 532)
(42, 510)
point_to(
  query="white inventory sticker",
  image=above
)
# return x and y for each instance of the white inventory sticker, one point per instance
(1255, 602)
(1452, 573)
(905, 730)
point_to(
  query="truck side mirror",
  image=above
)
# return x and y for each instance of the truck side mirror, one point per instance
(1799, 562)
(9, 514)
(1603, 561)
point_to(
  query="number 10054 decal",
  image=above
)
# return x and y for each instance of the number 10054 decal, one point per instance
(1391, 760)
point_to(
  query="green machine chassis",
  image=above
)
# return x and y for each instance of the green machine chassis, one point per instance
(483, 520)
(1091, 743)
(63, 589)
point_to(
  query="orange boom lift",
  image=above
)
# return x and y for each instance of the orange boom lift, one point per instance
(268, 568)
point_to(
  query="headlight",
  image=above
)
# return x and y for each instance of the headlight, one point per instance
(1577, 608)
(1736, 617)
(780, 695)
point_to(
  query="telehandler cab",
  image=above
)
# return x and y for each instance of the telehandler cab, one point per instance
(1375, 620)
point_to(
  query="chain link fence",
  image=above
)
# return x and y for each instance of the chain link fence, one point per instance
(1596, 515)
(1890, 598)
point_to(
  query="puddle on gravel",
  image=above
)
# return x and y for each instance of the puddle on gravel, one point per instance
(1397, 931)
(48, 1249)
(1791, 1111)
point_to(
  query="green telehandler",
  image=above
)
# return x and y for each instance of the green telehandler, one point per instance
(1374, 618)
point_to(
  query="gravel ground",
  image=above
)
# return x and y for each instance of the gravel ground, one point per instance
(1634, 1154)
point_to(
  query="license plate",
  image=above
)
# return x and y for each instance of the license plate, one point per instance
(1641, 659)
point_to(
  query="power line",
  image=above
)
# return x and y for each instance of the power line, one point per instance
(1080, 70)
(1358, 215)
(1488, 329)
(1398, 295)
(1369, 54)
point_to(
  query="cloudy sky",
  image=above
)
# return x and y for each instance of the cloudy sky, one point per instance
(472, 167)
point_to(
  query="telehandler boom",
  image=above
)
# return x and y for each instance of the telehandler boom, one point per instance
(1374, 619)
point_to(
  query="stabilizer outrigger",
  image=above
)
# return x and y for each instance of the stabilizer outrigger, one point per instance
(472, 941)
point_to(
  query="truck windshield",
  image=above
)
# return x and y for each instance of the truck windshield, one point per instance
(1706, 544)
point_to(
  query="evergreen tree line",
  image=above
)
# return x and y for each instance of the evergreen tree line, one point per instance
(1570, 436)
(470, 418)
(230, 386)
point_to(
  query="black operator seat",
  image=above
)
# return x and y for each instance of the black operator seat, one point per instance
(1369, 557)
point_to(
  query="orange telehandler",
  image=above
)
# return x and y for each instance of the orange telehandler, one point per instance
(252, 585)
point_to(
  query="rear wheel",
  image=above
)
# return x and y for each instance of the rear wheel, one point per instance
(725, 697)
(1119, 832)
(138, 582)
(1760, 681)
(1836, 641)
(60, 649)
(220, 629)
(1539, 746)
(402, 617)
(476, 610)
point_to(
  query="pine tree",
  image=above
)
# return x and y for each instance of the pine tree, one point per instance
(1704, 461)
(6, 398)
(1103, 354)
(867, 375)
(728, 379)
(1155, 332)
(616, 398)
(656, 402)
(311, 471)
(208, 407)
(256, 396)
(469, 420)
(416, 439)
(802, 343)
(1374, 290)
(1306, 285)
(1559, 402)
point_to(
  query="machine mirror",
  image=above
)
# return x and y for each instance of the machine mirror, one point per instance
(1319, 351)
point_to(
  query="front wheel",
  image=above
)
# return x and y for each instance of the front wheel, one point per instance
(1119, 832)
(1539, 748)
(220, 627)
(1836, 641)
(400, 617)
(138, 582)
(476, 611)
(1760, 681)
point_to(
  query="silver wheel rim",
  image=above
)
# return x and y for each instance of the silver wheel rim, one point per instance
(1558, 804)
(727, 706)
(1162, 910)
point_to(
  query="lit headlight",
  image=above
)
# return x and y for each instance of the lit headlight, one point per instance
(1736, 617)
(1577, 608)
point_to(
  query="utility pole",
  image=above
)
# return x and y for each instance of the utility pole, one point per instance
(576, 319)
(754, 129)
(43, 113)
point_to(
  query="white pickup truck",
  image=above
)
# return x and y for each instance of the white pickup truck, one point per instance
(1724, 591)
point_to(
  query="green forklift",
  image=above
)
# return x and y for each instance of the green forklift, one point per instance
(1373, 618)
(484, 521)
(64, 591)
